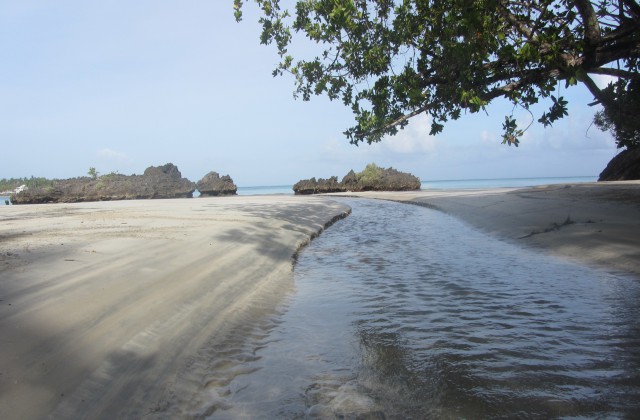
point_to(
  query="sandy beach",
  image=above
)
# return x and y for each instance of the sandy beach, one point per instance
(591, 223)
(115, 309)
(110, 309)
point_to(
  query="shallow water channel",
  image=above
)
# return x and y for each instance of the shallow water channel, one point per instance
(405, 312)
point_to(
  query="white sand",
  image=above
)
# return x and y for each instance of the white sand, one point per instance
(108, 310)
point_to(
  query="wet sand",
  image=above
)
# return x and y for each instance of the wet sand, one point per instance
(591, 223)
(113, 309)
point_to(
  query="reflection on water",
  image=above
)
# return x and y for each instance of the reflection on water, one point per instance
(404, 312)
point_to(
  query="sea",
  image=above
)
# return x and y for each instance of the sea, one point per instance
(445, 184)
(426, 185)
(404, 312)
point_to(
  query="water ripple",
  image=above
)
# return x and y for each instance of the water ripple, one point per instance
(404, 312)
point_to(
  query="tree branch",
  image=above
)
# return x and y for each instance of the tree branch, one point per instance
(532, 77)
(512, 19)
(633, 5)
(590, 22)
(495, 93)
(618, 51)
(623, 74)
(623, 30)
(395, 122)
(596, 91)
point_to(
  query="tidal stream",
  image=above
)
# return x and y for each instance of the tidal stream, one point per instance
(405, 312)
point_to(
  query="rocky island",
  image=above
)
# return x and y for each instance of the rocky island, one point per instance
(212, 184)
(157, 182)
(372, 178)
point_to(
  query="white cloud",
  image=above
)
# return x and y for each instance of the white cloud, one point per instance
(334, 147)
(487, 137)
(602, 80)
(414, 138)
(113, 155)
(413, 141)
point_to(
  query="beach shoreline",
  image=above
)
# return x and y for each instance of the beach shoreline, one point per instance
(118, 309)
(593, 223)
(114, 309)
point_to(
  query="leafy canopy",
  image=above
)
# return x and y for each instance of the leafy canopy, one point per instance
(390, 60)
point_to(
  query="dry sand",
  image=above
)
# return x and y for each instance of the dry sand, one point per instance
(113, 309)
(592, 223)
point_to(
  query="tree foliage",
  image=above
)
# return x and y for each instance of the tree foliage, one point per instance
(93, 173)
(9, 184)
(619, 119)
(390, 60)
(370, 174)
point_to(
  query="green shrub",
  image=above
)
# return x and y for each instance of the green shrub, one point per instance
(370, 174)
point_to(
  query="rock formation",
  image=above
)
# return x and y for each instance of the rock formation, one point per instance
(157, 182)
(350, 181)
(212, 184)
(167, 182)
(375, 178)
(372, 178)
(319, 186)
(623, 167)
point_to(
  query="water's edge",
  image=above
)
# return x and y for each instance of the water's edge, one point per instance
(403, 312)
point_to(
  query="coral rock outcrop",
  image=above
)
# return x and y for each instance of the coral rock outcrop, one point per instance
(157, 182)
(318, 186)
(212, 184)
(372, 178)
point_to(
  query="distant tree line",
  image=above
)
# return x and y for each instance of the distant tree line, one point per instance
(8, 184)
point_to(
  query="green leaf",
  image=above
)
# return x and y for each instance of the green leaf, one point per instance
(571, 81)
(387, 58)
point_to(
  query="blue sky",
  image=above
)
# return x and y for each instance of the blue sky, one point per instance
(122, 85)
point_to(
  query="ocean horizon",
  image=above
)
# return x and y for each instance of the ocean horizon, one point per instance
(426, 185)
(443, 184)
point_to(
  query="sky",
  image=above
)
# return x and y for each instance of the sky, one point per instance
(123, 85)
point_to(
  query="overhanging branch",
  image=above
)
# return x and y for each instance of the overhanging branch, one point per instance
(633, 5)
(532, 77)
(623, 74)
(605, 100)
(590, 21)
(394, 123)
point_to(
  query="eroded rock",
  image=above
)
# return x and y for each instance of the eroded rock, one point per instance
(625, 166)
(372, 178)
(164, 181)
(212, 184)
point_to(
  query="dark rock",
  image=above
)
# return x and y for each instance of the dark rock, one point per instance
(168, 169)
(392, 180)
(305, 186)
(372, 178)
(319, 186)
(350, 181)
(165, 182)
(213, 184)
(625, 166)
(157, 182)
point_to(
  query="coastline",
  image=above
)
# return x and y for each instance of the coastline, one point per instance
(116, 309)
(593, 223)
(113, 309)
